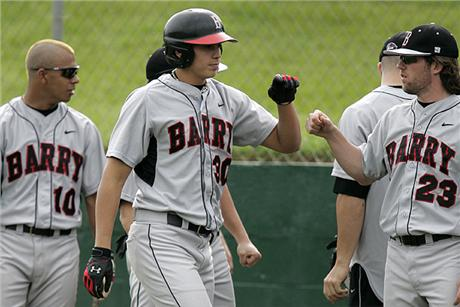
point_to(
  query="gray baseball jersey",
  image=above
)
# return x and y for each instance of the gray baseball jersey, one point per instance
(417, 147)
(356, 123)
(179, 140)
(47, 163)
(129, 189)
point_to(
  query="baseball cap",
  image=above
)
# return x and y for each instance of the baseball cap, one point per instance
(426, 40)
(392, 43)
(157, 65)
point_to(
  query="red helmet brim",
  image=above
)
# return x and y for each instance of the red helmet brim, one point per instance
(211, 39)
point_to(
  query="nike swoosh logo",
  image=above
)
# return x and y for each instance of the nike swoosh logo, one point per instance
(220, 105)
(445, 124)
(352, 290)
(69, 131)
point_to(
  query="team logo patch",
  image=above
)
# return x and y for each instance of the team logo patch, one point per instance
(391, 46)
(97, 270)
(437, 49)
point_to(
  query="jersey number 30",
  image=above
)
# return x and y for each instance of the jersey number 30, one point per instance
(221, 169)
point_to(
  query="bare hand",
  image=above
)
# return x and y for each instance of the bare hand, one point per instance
(457, 297)
(332, 285)
(319, 124)
(249, 254)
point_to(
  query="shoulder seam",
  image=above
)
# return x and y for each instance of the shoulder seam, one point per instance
(394, 95)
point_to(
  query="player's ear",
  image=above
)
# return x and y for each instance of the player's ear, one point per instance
(178, 54)
(379, 68)
(436, 67)
(41, 75)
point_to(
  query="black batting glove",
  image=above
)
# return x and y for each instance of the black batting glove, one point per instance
(283, 89)
(121, 247)
(333, 246)
(99, 273)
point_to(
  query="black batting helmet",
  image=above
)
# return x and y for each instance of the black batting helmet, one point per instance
(192, 27)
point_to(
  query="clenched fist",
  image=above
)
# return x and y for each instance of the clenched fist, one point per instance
(99, 273)
(283, 89)
(319, 124)
(249, 254)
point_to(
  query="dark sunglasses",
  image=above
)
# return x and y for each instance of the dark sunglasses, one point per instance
(66, 72)
(406, 59)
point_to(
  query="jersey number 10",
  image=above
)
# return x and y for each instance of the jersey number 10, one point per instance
(68, 204)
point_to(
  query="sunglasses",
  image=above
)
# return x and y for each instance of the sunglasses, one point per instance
(66, 72)
(406, 59)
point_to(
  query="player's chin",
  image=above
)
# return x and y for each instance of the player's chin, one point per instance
(68, 96)
(212, 71)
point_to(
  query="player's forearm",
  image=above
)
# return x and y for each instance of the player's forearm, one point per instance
(237, 230)
(288, 129)
(232, 221)
(108, 199)
(90, 202)
(348, 156)
(350, 217)
(106, 209)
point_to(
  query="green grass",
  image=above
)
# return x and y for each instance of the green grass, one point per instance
(331, 46)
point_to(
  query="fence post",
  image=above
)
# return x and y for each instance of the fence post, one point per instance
(58, 26)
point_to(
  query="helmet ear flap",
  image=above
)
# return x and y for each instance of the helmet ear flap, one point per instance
(186, 55)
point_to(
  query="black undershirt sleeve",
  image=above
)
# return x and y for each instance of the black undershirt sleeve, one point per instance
(350, 188)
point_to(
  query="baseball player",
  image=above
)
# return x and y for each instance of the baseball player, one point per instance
(415, 144)
(51, 155)
(177, 133)
(221, 256)
(361, 242)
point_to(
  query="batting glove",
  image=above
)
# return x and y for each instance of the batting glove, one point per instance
(283, 89)
(333, 246)
(120, 250)
(99, 273)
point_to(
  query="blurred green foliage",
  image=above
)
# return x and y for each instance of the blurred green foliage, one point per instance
(332, 46)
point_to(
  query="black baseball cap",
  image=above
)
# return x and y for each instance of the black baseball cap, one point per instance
(392, 43)
(427, 40)
(157, 65)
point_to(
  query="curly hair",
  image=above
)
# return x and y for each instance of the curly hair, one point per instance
(450, 75)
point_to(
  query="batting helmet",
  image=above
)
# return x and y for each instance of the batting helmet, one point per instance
(192, 27)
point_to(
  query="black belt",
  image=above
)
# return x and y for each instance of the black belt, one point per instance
(420, 240)
(175, 220)
(39, 231)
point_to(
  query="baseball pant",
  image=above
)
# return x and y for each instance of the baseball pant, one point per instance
(425, 275)
(174, 265)
(224, 295)
(38, 271)
(138, 296)
(361, 293)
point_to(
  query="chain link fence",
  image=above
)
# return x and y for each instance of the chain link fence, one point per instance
(332, 46)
